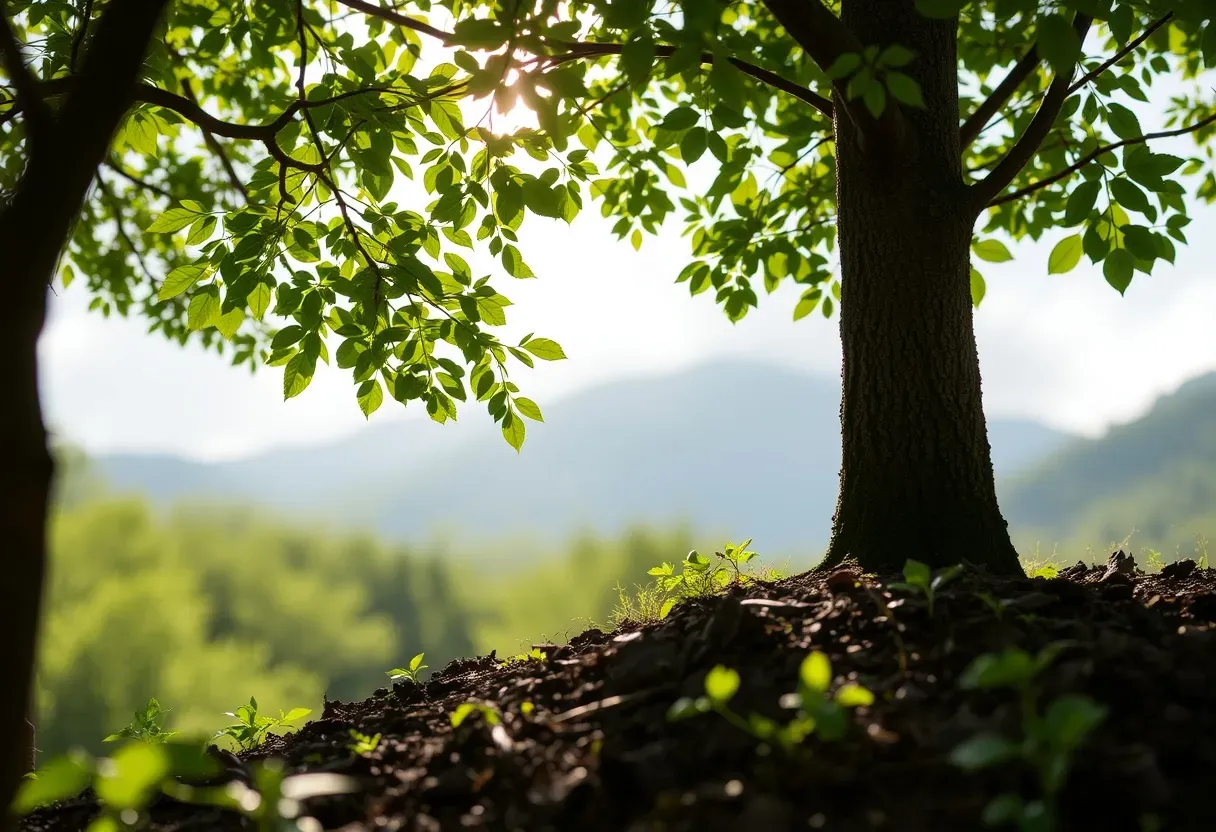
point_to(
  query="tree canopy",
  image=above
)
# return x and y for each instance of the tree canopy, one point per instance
(296, 177)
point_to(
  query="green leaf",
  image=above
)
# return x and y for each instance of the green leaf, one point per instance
(681, 118)
(637, 60)
(545, 349)
(692, 145)
(917, 573)
(853, 695)
(1081, 202)
(370, 396)
(259, 299)
(904, 89)
(1123, 121)
(807, 303)
(204, 309)
(61, 778)
(1129, 195)
(175, 219)
(1118, 267)
(230, 322)
(513, 430)
(845, 65)
(1058, 43)
(297, 375)
(136, 772)
(1065, 256)
(994, 251)
(180, 280)
(721, 685)
(815, 673)
(896, 55)
(528, 408)
(1011, 668)
(983, 751)
(1070, 719)
(978, 287)
(295, 714)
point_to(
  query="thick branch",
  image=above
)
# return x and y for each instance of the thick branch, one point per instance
(1027, 146)
(1094, 154)
(25, 85)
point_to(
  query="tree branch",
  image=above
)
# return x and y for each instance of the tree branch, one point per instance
(579, 50)
(978, 120)
(824, 37)
(1122, 53)
(1094, 154)
(25, 85)
(137, 181)
(1027, 146)
(396, 17)
(218, 149)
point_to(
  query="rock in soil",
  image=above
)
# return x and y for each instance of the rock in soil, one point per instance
(583, 742)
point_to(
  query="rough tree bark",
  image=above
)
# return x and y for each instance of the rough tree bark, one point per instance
(916, 476)
(64, 148)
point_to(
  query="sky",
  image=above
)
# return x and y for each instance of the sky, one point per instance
(1066, 350)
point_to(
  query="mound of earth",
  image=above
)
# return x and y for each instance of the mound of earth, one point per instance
(584, 740)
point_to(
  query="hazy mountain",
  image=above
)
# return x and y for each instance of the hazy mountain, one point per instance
(739, 448)
(1156, 475)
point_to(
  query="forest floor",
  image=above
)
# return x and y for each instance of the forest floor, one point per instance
(581, 739)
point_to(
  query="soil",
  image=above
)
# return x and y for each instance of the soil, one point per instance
(596, 752)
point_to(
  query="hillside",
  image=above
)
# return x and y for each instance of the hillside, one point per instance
(1156, 475)
(736, 448)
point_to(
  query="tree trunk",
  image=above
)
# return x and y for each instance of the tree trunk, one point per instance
(916, 478)
(63, 152)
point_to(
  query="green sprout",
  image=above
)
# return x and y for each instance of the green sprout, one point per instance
(145, 727)
(250, 729)
(363, 744)
(919, 578)
(411, 673)
(463, 711)
(817, 712)
(1049, 739)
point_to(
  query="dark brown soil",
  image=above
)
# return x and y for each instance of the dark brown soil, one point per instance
(597, 753)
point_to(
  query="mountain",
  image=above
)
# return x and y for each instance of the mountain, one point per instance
(742, 449)
(1155, 475)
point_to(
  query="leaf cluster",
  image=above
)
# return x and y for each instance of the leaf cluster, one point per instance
(250, 728)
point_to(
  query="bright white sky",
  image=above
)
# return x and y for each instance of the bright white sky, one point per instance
(1067, 350)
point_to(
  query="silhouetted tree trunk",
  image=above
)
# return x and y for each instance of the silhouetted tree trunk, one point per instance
(64, 149)
(916, 477)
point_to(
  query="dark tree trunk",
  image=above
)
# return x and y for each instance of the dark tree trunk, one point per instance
(64, 151)
(916, 479)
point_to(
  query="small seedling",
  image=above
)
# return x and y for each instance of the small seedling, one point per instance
(919, 578)
(145, 727)
(463, 711)
(363, 743)
(1155, 562)
(1048, 741)
(250, 728)
(410, 673)
(817, 712)
(535, 654)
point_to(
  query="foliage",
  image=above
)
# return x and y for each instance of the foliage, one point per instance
(410, 673)
(127, 782)
(251, 727)
(1049, 739)
(205, 607)
(698, 578)
(145, 727)
(818, 713)
(463, 711)
(363, 744)
(370, 168)
(919, 578)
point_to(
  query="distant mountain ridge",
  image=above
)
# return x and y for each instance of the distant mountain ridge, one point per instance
(740, 448)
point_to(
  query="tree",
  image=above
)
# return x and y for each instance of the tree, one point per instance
(240, 163)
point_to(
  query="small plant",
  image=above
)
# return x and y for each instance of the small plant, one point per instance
(145, 727)
(919, 578)
(250, 728)
(1154, 560)
(535, 654)
(1049, 739)
(1201, 551)
(817, 712)
(410, 673)
(363, 744)
(696, 576)
(463, 711)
